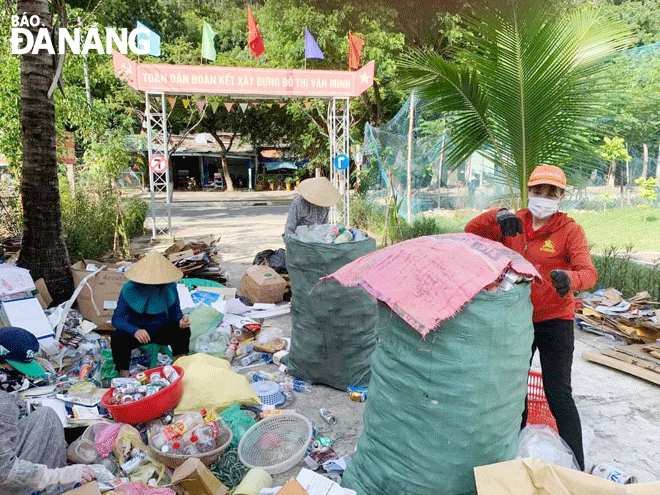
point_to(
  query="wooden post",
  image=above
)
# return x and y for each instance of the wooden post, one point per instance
(411, 113)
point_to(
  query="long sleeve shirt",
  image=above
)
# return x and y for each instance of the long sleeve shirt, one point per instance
(20, 476)
(125, 318)
(302, 212)
(559, 244)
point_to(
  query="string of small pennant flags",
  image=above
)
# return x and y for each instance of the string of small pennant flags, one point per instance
(203, 104)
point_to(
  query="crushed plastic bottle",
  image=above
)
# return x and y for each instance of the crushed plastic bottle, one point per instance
(205, 439)
(256, 376)
(255, 357)
(297, 385)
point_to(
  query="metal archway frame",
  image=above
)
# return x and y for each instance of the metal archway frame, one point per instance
(157, 80)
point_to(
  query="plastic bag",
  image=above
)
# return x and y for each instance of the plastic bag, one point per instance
(128, 439)
(213, 342)
(545, 443)
(274, 259)
(238, 421)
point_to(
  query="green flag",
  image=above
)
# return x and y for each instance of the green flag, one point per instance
(208, 46)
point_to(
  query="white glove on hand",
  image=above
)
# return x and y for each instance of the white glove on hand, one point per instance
(77, 473)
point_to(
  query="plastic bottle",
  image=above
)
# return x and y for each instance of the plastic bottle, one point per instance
(188, 421)
(230, 351)
(205, 439)
(158, 441)
(244, 348)
(297, 385)
(189, 449)
(256, 376)
(171, 447)
(85, 367)
(255, 357)
(345, 236)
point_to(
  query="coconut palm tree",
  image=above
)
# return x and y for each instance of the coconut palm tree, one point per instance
(43, 250)
(530, 87)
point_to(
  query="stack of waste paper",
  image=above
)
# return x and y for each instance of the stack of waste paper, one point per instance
(634, 321)
(606, 312)
(197, 257)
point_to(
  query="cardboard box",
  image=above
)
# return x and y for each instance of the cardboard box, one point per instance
(262, 284)
(98, 298)
(532, 476)
(195, 478)
(91, 488)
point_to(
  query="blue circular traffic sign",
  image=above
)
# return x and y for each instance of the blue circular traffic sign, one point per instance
(341, 162)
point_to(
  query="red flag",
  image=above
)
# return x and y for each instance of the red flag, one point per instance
(355, 45)
(255, 42)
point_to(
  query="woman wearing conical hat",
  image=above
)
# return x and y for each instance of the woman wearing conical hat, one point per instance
(148, 310)
(312, 205)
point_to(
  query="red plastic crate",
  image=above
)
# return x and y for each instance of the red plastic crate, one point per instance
(538, 411)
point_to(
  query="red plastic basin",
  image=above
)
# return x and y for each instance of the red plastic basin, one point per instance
(150, 407)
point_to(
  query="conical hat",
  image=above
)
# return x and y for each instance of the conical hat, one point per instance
(319, 191)
(154, 269)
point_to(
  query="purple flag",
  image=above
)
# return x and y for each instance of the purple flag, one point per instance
(312, 49)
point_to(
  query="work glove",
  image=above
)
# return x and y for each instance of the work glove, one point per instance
(510, 224)
(561, 282)
(69, 475)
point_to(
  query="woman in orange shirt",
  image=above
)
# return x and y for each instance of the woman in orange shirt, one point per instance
(558, 248)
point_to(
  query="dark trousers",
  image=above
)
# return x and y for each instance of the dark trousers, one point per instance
(122, 342)
(554, 340)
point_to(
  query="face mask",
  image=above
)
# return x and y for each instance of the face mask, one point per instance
(542, 207)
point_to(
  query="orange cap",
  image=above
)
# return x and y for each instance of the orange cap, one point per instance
(547, 174)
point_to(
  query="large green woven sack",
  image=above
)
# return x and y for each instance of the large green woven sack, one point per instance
(440, 406)
(333, 327)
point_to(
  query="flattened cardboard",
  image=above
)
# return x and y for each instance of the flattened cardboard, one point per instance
(87, 489)
(194, 477)
(531, 476)
(262, 284)
(42, 293)
(97, 300)
(292, 487)
(187, 253)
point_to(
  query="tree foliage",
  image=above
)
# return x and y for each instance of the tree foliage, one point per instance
(529, 91)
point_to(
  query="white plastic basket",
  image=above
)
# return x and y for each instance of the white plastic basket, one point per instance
(276, 443)
(269, 392)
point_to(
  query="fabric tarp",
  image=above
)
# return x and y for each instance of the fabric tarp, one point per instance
(428, 279)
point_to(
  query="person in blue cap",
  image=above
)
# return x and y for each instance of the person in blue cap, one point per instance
(148, 310)
(32, 449)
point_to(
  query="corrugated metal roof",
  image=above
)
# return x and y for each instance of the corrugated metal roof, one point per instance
(205, 144)
(196, 144)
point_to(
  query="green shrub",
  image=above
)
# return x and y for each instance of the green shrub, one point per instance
(617, 270)
(420, 227)
(366, 215)
(89, 220)
(135, 212)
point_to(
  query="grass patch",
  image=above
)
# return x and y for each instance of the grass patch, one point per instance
(621, 227)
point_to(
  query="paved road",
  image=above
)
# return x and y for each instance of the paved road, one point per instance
(246, 223)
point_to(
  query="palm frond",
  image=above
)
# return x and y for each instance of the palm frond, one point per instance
(531, 86)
